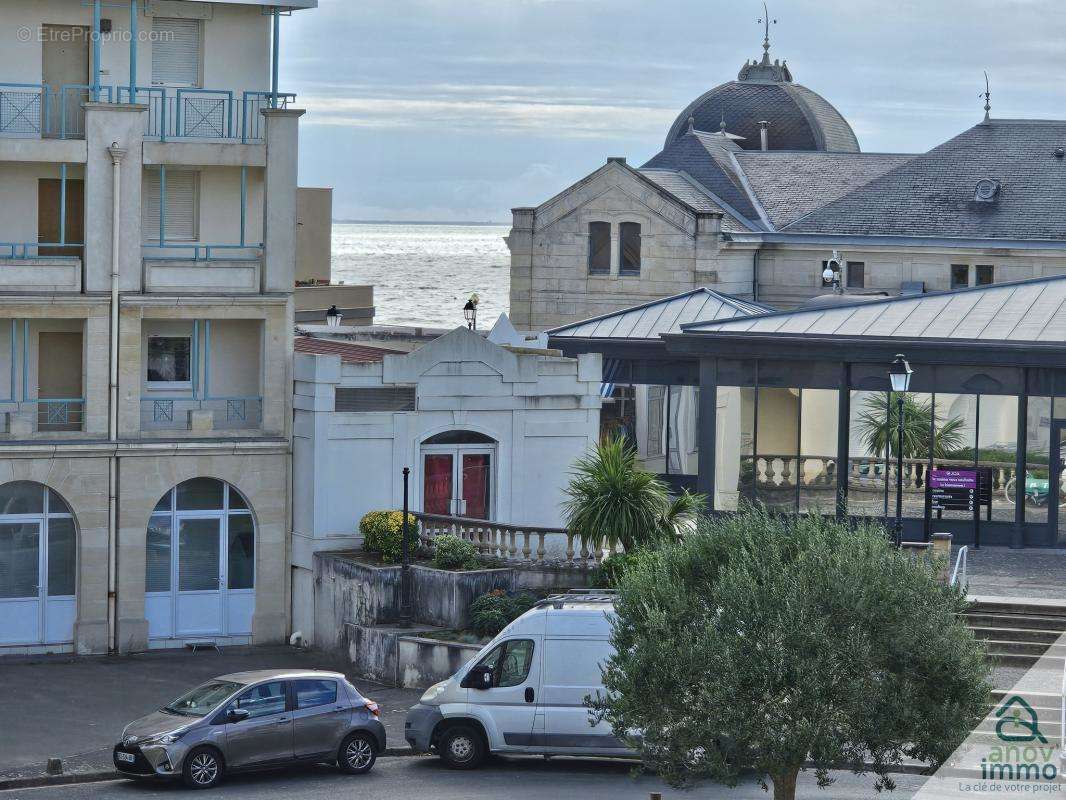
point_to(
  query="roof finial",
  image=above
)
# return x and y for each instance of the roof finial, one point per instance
(691, 123)
(766, 21)
(988, 96)
(721, 125)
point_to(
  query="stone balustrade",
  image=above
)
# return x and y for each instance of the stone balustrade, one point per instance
(507, 543)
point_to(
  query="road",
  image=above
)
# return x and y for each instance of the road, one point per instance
(420, 778)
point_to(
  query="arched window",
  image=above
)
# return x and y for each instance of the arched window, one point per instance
(38, 565)
(200, 566)
(629, 246)
(599, 248)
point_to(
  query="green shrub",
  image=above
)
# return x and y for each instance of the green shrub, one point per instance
(611, 570)
(383, 533)
(451, 552)
(492, 612)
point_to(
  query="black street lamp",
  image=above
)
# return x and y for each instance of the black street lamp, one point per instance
(405, 559)
(900, 377)
(333, 317)
(470, 314)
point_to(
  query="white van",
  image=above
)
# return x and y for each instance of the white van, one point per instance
(525, 691)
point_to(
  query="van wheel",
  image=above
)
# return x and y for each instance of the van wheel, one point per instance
(202, 769)
(462, 747)
(357, 754)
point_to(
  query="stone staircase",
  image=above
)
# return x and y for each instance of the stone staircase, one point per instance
(1017, 632)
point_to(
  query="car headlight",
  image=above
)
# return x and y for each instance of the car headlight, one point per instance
(166, 738)
(434, 691)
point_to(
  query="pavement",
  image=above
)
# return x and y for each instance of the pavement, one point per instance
(1030, 573)
(75, 709)
(512, 778)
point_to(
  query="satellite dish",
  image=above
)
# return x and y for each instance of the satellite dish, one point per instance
(986, 190)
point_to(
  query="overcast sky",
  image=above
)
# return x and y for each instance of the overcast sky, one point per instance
(462, 109)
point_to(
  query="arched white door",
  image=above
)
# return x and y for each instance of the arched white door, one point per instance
(200, 570)
(38, 557)
(459, 474)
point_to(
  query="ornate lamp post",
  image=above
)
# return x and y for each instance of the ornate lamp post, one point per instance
(899, 374)
(831, 273)
(405, 559)
(470, 312)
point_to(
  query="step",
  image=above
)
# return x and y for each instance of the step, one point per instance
(1035, 649)
(1016, 635)
(1029, 622)
(1004, 659)
(1018, 605)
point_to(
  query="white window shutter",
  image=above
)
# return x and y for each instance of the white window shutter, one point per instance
(182, 206)
(176, 52)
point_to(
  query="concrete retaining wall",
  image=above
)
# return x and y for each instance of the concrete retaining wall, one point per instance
(423, 662)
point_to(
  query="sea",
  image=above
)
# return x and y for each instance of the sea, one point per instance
(423, 274)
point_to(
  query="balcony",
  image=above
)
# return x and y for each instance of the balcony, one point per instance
(38, 111)
(201, 376)
(43, 362)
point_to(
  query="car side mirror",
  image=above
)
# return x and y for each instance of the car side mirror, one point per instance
(237, 715)
(478, 678)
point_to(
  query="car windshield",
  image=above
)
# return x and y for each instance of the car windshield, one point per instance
(202, 699)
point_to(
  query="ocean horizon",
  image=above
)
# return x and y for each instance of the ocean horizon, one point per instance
(424, 272)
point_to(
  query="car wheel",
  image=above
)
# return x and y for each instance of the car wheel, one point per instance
(462, 747)
(357, 754)
(203, 768)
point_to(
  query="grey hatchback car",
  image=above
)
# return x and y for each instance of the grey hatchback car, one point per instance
(254, 720)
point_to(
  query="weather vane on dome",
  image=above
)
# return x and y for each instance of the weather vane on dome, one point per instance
(988, 98)
(765, 21)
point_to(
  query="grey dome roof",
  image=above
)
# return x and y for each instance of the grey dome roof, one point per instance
(799, 118)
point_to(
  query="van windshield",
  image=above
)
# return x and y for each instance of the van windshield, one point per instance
(201, 700)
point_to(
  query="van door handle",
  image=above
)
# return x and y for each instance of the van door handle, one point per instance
(529, 694)
(283, 720)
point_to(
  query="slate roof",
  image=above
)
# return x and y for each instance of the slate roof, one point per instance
(1031, 311)
(350, 352)
(705, 157)
(686, 189)
(932, 195)
(799, 118)
(792, 184)
(650, 320)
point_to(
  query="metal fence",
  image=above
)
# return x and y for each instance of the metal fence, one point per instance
(177, 413)
(40, 111)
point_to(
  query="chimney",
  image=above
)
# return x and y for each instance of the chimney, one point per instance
(764, 134)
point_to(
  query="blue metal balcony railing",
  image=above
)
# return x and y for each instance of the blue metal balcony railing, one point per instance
(29, 110)
(203, 113)
(228, 413)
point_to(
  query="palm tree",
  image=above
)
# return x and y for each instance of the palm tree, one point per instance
(612, 501)
(878, 431)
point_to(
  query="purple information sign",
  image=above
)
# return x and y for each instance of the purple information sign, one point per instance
(953, 479)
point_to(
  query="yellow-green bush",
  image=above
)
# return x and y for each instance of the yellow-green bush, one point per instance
(383, 533)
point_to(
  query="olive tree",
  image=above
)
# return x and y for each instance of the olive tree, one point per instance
(771, 644)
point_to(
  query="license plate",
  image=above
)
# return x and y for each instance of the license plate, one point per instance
(127, 757)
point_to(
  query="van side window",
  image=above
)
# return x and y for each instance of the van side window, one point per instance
(510, 662)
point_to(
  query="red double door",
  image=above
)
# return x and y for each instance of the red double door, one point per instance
(457, 482)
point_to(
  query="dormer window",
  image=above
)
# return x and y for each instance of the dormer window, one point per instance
(629, 249)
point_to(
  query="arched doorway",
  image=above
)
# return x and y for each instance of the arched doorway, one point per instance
(200, 570)
(458, 474)
(38, 566)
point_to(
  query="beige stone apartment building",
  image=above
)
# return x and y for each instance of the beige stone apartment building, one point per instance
(147, 249)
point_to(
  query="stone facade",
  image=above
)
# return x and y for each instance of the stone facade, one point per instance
(682, 249)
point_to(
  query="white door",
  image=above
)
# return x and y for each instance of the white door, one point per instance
(21, 557)
(199, 578)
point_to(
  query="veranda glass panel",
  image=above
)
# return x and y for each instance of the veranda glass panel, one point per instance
(819, 410)
(777, 448)
(1035, 485)
(954, 438)
(867, 455)
(198, 555)
(734, 462)
(997, 450)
